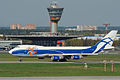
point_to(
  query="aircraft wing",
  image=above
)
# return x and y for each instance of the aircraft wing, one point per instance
(79, 54)
(59, 53)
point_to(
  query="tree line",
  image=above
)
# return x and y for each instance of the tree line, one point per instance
(87, 42)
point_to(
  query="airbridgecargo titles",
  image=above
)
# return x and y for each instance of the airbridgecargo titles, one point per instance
(64, 53)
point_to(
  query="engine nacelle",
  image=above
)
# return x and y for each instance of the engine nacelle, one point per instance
(55, 58)
(76, 57)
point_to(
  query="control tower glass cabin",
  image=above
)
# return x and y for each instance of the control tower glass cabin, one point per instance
(55, 14)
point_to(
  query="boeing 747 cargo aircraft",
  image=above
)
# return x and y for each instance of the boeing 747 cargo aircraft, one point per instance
(64, 53)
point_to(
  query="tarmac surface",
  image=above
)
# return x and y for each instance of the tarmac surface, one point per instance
(64, 78)
(58, 62)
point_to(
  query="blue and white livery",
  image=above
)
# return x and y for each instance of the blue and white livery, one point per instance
(63, 53)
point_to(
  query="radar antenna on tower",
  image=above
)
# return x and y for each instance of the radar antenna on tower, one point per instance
(54, 2)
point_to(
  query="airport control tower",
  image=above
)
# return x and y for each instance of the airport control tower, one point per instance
(55, 13)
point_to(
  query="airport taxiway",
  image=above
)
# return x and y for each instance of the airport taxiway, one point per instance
(64, 78)
(58, 62)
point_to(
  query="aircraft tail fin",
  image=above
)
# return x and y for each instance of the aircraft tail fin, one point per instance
(106, 42)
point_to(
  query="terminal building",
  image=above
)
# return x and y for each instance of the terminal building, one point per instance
(42, 40)
(9, 44)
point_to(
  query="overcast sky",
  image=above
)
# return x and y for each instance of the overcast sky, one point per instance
(76, 12)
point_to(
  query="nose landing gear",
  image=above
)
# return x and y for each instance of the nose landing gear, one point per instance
(20, 59)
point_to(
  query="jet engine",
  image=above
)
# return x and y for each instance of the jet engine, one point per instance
(56, 58)
(76, 57)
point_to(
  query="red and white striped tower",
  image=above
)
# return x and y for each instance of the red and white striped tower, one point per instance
(55, 13)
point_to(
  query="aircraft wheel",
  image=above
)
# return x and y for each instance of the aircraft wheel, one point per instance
(20, 60)
(62, 60)
(54, 60)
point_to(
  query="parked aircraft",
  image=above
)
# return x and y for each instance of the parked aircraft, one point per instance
(64, 53)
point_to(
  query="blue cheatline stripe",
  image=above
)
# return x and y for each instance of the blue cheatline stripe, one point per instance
(66, 51)
(53, 51)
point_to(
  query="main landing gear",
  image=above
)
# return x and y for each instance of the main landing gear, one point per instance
(61, 60)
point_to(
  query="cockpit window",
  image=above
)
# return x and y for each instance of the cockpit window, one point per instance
(17, 47)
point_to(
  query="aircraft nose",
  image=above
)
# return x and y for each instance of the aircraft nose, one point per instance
(10, 51)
